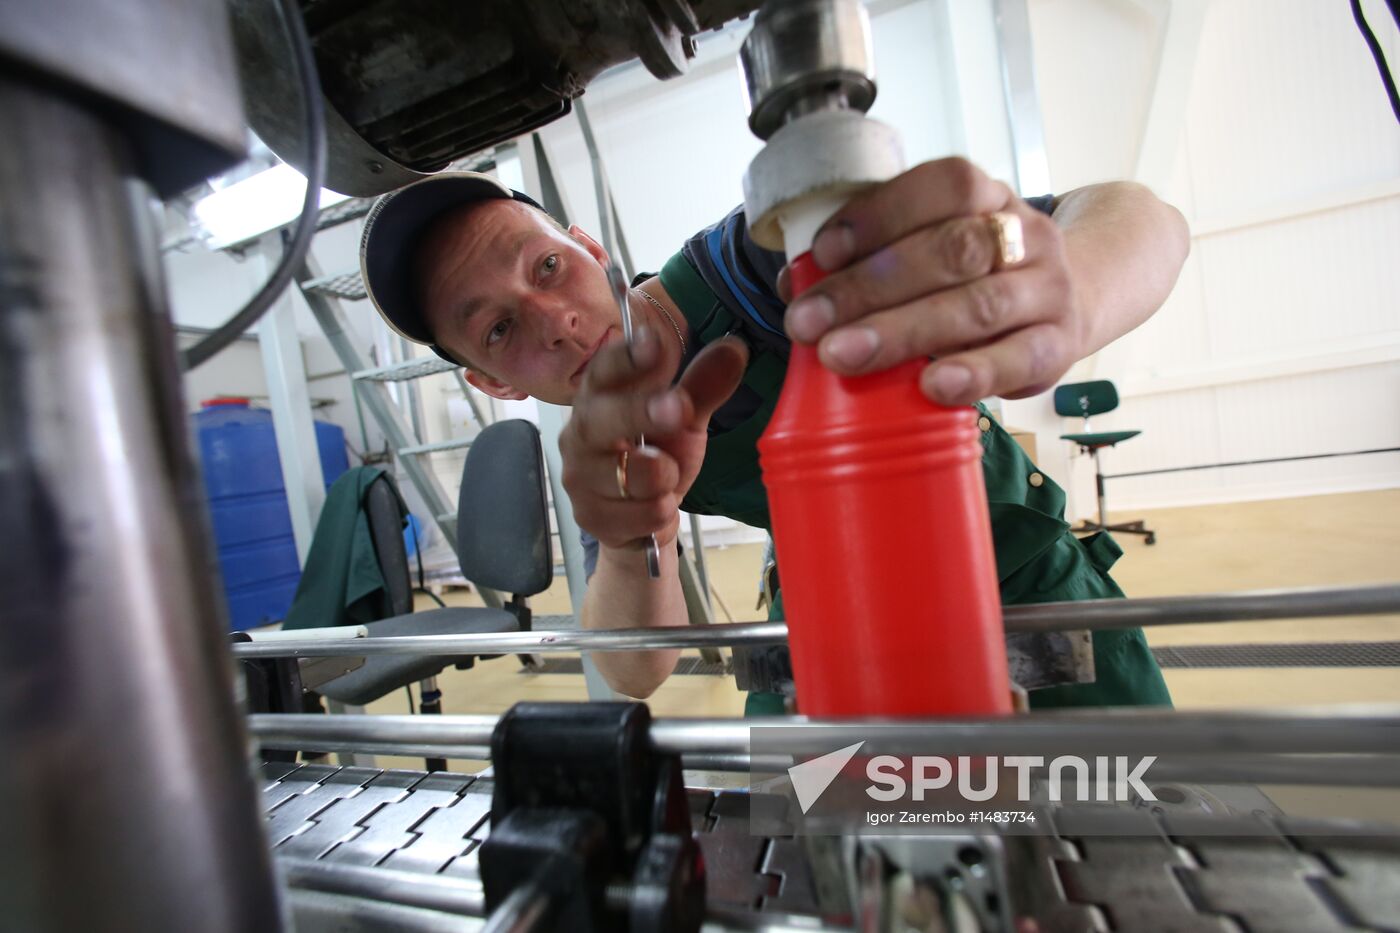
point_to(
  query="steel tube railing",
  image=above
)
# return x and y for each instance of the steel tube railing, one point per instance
(412, 889)
(1348, 730)
(1258, 606)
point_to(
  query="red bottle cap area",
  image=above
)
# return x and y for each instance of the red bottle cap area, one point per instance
(217, 401)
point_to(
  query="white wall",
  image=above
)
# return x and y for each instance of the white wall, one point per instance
(1282, 337)
(676, 151)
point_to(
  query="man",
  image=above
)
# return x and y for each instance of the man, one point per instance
(487, 279)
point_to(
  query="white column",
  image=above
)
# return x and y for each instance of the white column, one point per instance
(979, 118)
(1171, 92)
(1013, 30)
(290, 399)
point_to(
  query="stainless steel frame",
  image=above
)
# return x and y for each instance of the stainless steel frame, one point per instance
(128, 798)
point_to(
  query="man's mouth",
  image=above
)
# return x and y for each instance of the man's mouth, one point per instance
(588, 357)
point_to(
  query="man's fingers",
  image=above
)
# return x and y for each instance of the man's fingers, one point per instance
(926, 194)
(928, 260)
(646, 473)
(969, 315)
(712, 377)
(613, 420)
(1031, 357)
(620, 500)
(618, 506)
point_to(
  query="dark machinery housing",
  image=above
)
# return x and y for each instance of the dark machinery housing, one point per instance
(411, 86)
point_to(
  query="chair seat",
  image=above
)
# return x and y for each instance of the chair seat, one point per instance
(382, 674)
(1101, 439)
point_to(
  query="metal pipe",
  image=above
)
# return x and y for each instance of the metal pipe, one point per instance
(344, 747)
(1125, 731)
(750, 633)
(1252, 606)
(412, 399)
(467, 898)
(282, 730)
(470, 396)
(129, 802)
(697, 551)
(1128, 731)
(1098, 485)
(705, 761)
(524, 910)
(320, 911)
(411, 889)
(1255, 606)
(382, 893)
(1018, 89)
(1312, 770)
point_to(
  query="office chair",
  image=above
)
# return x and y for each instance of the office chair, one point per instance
(1082, 399)
(503, 544)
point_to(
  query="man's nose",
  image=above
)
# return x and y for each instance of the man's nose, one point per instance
(558, 324)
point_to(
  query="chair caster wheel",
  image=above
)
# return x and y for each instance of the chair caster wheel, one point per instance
(1151, 539)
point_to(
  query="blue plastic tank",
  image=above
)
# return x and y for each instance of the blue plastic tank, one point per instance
(248, 506)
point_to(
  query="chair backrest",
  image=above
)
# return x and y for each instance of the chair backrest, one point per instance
(385, 512)
(1082, 399)
(502, 514)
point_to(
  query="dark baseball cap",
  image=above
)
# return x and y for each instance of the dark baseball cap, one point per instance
(393, 231)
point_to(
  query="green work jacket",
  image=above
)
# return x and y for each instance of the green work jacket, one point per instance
(1038, 559)
(343, 583)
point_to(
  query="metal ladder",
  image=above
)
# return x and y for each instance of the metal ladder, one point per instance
(323, 294)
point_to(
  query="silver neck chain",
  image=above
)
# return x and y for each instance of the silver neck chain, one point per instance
(662, 308)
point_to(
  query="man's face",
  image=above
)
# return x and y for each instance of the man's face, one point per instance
(524, 303)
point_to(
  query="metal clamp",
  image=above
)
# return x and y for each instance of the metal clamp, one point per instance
(591, 821)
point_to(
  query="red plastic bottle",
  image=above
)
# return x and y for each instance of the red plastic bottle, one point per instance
(884, 543)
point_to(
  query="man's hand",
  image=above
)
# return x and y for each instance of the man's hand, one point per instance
(914, 273)
(625, 394)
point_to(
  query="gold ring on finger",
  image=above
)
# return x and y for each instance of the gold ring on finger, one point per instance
(1010, 235)
(622, 475)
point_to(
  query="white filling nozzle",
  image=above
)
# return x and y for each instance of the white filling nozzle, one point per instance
(802, 218)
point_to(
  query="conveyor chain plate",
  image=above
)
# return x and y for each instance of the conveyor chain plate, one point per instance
(1172, 874)
(1180, 873)
(407, 820)
(414, 821)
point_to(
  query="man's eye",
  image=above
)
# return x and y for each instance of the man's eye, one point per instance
(498, 331)
(551, 262)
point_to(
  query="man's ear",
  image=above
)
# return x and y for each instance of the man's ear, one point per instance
(594, 248)
(494, 387)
